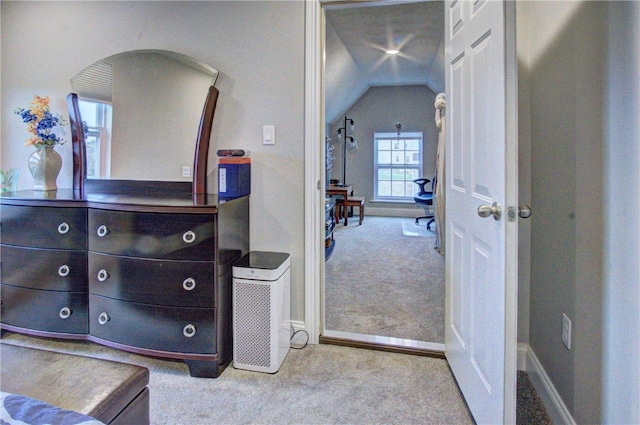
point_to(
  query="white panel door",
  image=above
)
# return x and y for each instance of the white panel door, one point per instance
(480, 318)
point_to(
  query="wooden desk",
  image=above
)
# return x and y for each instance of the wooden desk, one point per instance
(344, 192)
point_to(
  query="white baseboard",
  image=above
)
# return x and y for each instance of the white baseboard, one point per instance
(543, 385)
(522, 356)
(393, 212)
(298, 325)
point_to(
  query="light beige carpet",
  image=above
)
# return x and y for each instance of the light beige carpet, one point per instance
(321, 384)
(381, 281)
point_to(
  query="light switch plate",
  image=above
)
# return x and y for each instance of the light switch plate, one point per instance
(269, 135)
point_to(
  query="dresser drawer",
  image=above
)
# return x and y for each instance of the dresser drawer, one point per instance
(52, 269)
(166, 282)
(44, 227)
(175, 329)
(51, 311)
(152, 235)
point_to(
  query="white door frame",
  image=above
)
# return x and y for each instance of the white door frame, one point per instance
(314, 135)
(511, 277)
(314, 173)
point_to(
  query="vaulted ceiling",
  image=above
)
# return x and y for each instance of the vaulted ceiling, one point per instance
(357, 36)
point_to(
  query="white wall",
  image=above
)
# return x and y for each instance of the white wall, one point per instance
(258, 47)
(566, 71)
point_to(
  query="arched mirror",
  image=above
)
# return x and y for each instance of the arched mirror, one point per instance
(143, 115)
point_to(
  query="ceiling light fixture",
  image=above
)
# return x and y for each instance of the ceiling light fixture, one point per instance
(392, 52)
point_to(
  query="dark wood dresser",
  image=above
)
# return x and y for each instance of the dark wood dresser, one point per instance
(147, 274)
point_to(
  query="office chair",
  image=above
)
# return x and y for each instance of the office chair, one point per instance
(424, 199)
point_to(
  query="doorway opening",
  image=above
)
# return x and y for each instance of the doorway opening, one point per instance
(383, 286)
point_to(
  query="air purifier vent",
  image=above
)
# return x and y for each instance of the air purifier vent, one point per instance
(252, 324)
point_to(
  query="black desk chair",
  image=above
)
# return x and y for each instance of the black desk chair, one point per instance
(424, 199)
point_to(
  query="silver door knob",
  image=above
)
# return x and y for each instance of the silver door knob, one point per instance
(524, 211)
(494, 210)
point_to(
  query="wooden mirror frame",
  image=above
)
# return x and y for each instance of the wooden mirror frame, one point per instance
(201, 155)
(77, 143)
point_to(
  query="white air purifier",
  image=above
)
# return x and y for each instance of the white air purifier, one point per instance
(261, 311)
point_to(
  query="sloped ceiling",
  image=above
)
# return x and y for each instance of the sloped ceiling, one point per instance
(357, 36)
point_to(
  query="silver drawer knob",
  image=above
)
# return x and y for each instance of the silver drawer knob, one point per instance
(64, 270)
(103, 275)
(103, 318)
(63, 228)
(103, 231)
(189, 284)
(189, 237)
(189, 331)
(65, 312)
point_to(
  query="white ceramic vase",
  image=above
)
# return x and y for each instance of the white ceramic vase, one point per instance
(45, 164)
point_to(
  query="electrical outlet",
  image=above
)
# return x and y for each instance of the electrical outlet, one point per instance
(566, 331)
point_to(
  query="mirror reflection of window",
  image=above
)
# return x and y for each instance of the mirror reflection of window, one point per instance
(97, 117)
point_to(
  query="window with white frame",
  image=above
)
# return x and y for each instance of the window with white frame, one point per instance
(96, 118)
(397, 162)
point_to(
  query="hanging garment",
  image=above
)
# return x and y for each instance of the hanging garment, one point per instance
(439, 190)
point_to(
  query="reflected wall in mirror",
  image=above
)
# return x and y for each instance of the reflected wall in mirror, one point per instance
(142, 113)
